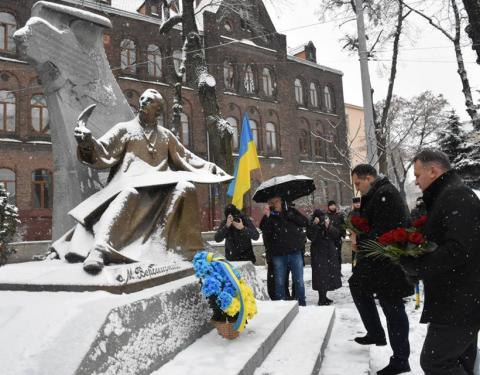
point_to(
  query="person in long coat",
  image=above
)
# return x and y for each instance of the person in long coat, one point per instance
(326, 272)
(238, 232)
(385, 210)
(451, 272)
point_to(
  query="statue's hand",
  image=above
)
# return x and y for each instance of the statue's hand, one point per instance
(82, 134)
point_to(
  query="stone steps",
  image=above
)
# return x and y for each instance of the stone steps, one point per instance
(240, 356)
(301, 348)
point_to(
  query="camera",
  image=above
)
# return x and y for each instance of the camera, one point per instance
(236, 219)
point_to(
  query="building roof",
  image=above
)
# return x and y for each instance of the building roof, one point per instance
(127, 5)
(314, 65)
(206, 6)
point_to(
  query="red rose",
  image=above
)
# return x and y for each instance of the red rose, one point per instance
(386, 238)
(400, 235)
(416, 238)
(420, 222)
(361, 223)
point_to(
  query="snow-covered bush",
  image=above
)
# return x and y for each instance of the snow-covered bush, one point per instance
(8, 224)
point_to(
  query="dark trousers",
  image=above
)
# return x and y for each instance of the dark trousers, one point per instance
(449, 350)
(281, 266)
(271, 284)
(338, 246)
(397, 322)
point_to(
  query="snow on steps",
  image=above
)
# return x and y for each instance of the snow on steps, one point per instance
(214, 355)
(300, 349)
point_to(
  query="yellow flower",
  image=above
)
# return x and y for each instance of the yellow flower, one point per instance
(234, 307)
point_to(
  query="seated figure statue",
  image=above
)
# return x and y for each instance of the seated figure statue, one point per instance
(149, 204)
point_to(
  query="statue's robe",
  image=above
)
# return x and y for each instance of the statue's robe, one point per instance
(149, 204)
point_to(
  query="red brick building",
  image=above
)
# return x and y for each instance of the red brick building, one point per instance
(295, 105)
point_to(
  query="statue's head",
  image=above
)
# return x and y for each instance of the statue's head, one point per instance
(151, 101)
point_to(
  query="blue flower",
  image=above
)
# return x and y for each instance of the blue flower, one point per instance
(202, 269)
(211, 287)
(200, 256)
(224, 300)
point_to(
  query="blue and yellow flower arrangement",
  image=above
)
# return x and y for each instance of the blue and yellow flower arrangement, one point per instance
(230, 297)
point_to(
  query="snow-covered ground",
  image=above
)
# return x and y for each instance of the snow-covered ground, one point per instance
(343, 355)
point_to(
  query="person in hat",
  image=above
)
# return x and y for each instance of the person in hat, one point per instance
(326, 274)
(338, 222)
(238, 232)
(419, 210)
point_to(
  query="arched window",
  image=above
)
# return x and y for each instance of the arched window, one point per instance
(8, 25)
(39, 111)
(128, 56)
(185, 137)
(177, 62)
(42, 188)
(228, 75)
(154, 61)
(254, 128)
(271, 138)
(7, 111)
(318, 142)
(249, 80)
(317, 147)
(327, 98)
(234, 124)
(298, 91)
(338, 192)
(303, 142)
(267, 82)
(313, 95)
(7, 179)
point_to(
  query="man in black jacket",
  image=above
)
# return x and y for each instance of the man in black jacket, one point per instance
(337, 221)
(238, 232)
(450, 273)
(282, 229)
(385, 210)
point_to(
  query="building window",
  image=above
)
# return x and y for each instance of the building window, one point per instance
(234, 124)
(299, 91)
(154, 9)
(7, 179)
(323, 192)
(8, 25)
(185, 138)
(154, 61)
(327, 97)
(7, 111)
(317, 147)
(42, 188)
(228, 75)
(254, 128)
(303, 142)
(249, 80)
(271, 138)
(39, 111)
(313, 95)
(338, 193)
(177, 63)
(128, 56)
(267, 82)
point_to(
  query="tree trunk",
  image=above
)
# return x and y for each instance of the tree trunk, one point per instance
(473, 29)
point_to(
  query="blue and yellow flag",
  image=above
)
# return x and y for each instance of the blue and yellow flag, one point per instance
(247, 162)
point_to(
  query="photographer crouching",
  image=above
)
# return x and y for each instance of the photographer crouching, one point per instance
(238, 232)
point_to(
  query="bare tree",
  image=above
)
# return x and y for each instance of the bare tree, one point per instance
(472, 8)
(451, 29)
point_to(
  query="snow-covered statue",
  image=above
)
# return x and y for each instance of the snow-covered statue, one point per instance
(149, 204)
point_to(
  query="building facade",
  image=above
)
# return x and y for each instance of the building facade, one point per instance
(355, 119)
(295, 105)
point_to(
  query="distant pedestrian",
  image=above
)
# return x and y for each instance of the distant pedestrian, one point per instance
(451, 273)
(238, 232)
(419, 210)
(338, 222)
(353, 236)
(326, 271)
(383, 208)
(283, 230)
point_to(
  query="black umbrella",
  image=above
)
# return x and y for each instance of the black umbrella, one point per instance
(288, 187)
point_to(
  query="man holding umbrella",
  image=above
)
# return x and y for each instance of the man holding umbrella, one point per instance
(283, 230)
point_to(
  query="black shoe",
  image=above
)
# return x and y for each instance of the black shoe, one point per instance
(367, 340)
(393, 369)
(326, 302)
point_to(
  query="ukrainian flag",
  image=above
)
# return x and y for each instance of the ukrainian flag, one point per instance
(247, 162)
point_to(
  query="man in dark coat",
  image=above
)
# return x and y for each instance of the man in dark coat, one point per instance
(337, 221)
(282, 229)
(419, 210)
(238, 232)
(326, 272)
(451, 272)
(385, 210)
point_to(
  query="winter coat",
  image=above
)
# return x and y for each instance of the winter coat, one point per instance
(283, 232)
(385, 210)
(451, 273)
(338, 221)
(326, 271)
(238, 243)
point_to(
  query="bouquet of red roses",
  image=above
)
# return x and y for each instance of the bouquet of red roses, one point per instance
(357, 224)
(400, 242)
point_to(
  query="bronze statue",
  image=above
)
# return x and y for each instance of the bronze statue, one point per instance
(149, 204)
